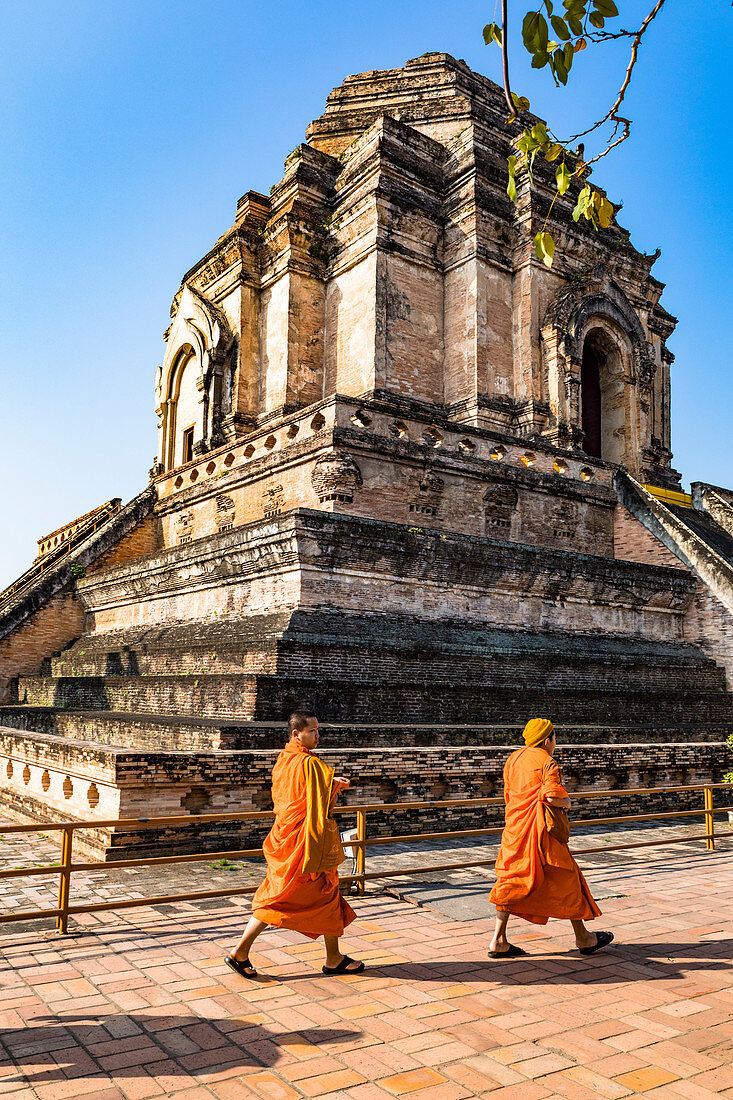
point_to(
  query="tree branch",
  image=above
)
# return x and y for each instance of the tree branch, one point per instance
(505, 60)
(611, 115)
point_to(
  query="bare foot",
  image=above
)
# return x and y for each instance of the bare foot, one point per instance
(590, 940)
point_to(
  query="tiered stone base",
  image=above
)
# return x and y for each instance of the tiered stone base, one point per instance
(419, 697)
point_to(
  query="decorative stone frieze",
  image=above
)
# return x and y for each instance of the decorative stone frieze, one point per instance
(336, 478)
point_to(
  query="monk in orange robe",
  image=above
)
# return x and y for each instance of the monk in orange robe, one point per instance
(303, 851)
(536, 877)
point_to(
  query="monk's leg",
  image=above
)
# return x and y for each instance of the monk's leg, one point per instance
(334, 955)
(250, 934)
(583, 938)
(499, 941)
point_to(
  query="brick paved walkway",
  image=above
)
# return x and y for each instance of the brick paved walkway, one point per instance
(139, 1004)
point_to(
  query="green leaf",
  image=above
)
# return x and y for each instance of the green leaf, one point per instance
(539, 60)
(530, 30)
(596, 20)
(549, 6)
(511, 189)
(520, 102)
(492, 33)
(544, 247)
(535, 32)
(560, 27)
(559, 67)
(562, 177)
(575, 24)
(606, 8)
(539, 133)
(553, 152)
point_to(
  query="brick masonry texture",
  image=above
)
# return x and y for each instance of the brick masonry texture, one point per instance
(388, 513)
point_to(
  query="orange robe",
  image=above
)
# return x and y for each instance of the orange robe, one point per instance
(536, 877)
(296, 894)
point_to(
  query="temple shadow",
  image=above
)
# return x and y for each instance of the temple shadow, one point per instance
(83, 1048)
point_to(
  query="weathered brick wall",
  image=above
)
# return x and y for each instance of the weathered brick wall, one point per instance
(708, 624)
(426, 472)
(47, 614)
(142, 540)
(410, 308)
(350, 337)
(274, 310)
(53, 626)
(157, 784)
(315, 561)
(633, 542)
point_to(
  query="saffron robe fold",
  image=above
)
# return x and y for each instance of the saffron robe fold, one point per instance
(296, 893)
(536, 876)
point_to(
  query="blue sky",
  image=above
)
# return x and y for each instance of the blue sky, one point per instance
(128, 129)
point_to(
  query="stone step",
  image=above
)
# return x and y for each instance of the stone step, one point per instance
(354, 646)
(178, 733)
(421, 701)
(497, 670)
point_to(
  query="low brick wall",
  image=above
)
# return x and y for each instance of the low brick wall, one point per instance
(52, 779)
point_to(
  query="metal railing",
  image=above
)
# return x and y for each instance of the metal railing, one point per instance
(66, 867)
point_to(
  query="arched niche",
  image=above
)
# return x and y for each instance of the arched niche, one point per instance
(606, 407)
(189, 390)
(599, 371)
(185, 410)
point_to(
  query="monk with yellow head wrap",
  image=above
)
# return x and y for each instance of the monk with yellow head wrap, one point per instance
(536, 877)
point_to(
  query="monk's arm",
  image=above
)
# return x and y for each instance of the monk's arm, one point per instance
(553, 792)
(561, 803)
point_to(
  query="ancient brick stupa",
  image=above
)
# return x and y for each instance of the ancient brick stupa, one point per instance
(406, 474)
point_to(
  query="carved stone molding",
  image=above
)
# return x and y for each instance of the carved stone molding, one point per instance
(427, 499)
(597, 295)
(273, 501)
(500, 503)
(225, 512)
(336, 477)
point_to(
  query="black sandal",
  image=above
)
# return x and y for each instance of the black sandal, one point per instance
(604, 938)
(241, 968)
(513, 953)
(343, 967)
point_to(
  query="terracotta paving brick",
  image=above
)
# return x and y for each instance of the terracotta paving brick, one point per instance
(140, 1006)
(329, 1082)
(642, 1080)
(596, 1085)
(269, 1087)
(414, 1079)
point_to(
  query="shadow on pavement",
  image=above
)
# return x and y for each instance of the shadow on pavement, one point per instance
(87, 1047)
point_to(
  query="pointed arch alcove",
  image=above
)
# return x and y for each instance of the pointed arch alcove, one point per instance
(600, 371)
(191, 394)
(607, 412)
